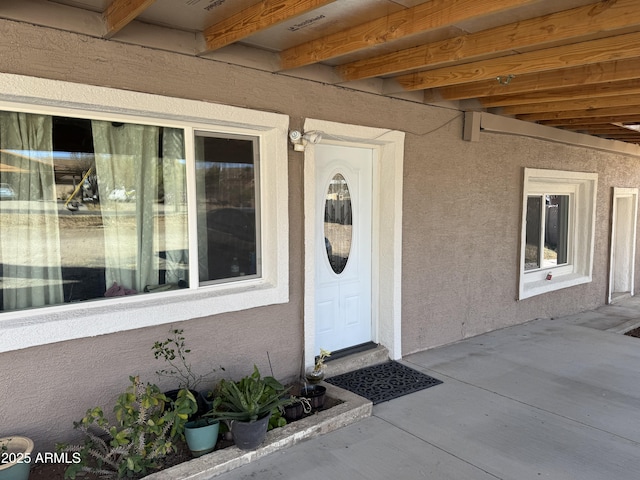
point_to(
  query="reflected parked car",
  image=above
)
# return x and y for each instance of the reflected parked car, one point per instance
(6, 192)
(122, 195)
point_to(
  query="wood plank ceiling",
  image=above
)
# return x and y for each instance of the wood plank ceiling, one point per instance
(571, 64)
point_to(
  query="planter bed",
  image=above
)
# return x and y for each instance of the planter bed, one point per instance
(341, 408)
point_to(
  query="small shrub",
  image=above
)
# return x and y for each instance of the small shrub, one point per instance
(148, 424)
(174, 351)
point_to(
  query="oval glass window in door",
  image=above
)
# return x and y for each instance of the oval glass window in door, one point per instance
(338, 223)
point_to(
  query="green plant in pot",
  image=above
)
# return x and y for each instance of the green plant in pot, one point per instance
(315, 374)
(147, 427)
(297, 409)
(201, 435)
(15, 457)
(247, 405)
(174, 352)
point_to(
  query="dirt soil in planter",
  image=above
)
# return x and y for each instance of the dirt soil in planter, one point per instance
(48, 471)
(45, 471)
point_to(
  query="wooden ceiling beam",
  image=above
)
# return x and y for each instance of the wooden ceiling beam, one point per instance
(566, 122)
(606, 134)
(614, 136)
(604, 128)
(601, 90)
(570, 24)
(421, 18)
(261, 15)
(574, 104)
(583, 53)
(628, 139)
(608, 112)
(120, 13)
(567, 77)
(589, 127)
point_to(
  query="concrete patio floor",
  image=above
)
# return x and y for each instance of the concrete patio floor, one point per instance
(553, 398)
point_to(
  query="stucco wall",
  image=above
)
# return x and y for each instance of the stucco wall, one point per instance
(462, 204)
(462, 229)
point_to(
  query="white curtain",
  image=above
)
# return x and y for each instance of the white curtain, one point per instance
(30, 237)
(143, 203)
(175, 205)
(127, 170)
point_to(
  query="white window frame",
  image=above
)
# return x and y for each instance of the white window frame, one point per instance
(581, 187)
(38, 326)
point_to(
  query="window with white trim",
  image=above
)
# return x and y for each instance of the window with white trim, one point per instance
(95, 209)
(176, 209)
(558, 225)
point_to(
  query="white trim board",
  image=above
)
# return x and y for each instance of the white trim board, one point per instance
(623, 245)
(478, 122)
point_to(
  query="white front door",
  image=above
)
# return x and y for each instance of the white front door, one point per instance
(343, 246)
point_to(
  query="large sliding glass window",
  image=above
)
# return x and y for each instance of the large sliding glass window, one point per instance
(92, 209)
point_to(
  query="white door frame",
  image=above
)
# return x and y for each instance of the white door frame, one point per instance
(631, 224)
(386, 254)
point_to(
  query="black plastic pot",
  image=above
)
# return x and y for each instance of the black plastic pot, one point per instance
(205, 402)
(249, 435)
(293, 412)
(315, 394)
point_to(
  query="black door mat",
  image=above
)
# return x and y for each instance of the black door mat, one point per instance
(383, 382)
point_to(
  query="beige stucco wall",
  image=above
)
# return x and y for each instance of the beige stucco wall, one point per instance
(461, 224)
(462, 228)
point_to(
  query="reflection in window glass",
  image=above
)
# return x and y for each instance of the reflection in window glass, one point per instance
(556, 230)
(338, 223)
(546, 231)
(226, 174)
(532, 244)
(89, 209)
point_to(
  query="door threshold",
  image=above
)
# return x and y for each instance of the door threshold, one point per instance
(619, 296)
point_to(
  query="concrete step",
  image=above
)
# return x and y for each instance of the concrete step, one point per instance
(355, 361)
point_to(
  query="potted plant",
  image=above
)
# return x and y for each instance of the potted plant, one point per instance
(174, 352)
(297, 409)
(316, 373)
(15, 458)
(315, 394)
(201, 435)
(206, 398)
(148, 424)
(246, 405)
